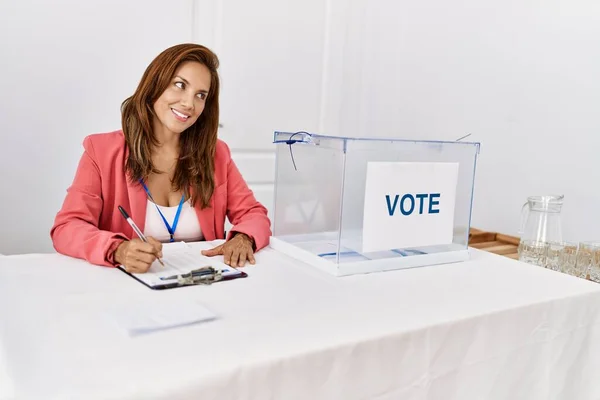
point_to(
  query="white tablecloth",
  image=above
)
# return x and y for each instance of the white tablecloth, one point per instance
(490, 328)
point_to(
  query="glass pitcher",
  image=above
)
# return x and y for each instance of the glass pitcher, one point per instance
(540, 224)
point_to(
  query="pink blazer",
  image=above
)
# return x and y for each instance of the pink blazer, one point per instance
(89, 225)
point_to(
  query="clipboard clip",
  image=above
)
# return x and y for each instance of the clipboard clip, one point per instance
(201, 276)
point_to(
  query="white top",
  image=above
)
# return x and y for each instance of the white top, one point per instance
(489, 328)
(188, 227)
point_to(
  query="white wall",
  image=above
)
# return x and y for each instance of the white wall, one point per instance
(66, 67)
(521, 76)
(271, 54)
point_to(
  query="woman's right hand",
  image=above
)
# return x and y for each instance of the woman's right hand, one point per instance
(136, 256)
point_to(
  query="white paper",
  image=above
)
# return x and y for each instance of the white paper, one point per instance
(149, 314)
(423, 221)
(179, 258)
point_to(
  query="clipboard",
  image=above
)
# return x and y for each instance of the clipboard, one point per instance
(185, 266)
(176, 284)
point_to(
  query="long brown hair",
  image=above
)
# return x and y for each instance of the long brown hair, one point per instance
(195, 166)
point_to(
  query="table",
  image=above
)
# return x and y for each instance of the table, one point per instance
(490, 328)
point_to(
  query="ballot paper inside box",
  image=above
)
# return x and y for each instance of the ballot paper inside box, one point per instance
(359, 205)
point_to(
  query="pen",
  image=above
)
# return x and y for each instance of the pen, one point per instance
(136, 229)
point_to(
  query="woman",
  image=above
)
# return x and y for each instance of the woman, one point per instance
(167, 169)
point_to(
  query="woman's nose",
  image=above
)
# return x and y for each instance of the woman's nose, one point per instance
(187, 101)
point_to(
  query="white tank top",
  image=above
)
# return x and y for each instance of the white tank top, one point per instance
(188, 227)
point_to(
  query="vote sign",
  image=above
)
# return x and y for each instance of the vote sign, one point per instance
(408, 204)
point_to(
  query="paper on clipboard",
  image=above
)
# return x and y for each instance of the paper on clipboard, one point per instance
(179, 258)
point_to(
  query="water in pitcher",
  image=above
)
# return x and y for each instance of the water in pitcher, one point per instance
(540, 225)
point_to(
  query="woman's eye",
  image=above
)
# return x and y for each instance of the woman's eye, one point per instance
(180, 85)
(201, 96)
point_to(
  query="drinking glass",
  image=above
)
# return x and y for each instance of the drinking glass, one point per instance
(561, 256)
(532, 252)
(588, 261)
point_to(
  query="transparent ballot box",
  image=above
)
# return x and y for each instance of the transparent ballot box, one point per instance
(359, 205)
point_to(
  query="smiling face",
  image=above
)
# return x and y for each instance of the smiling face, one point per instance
(183, 101)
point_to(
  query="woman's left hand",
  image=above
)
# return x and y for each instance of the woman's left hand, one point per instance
(236, 251)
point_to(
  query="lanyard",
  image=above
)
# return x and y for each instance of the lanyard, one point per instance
(170, 228)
